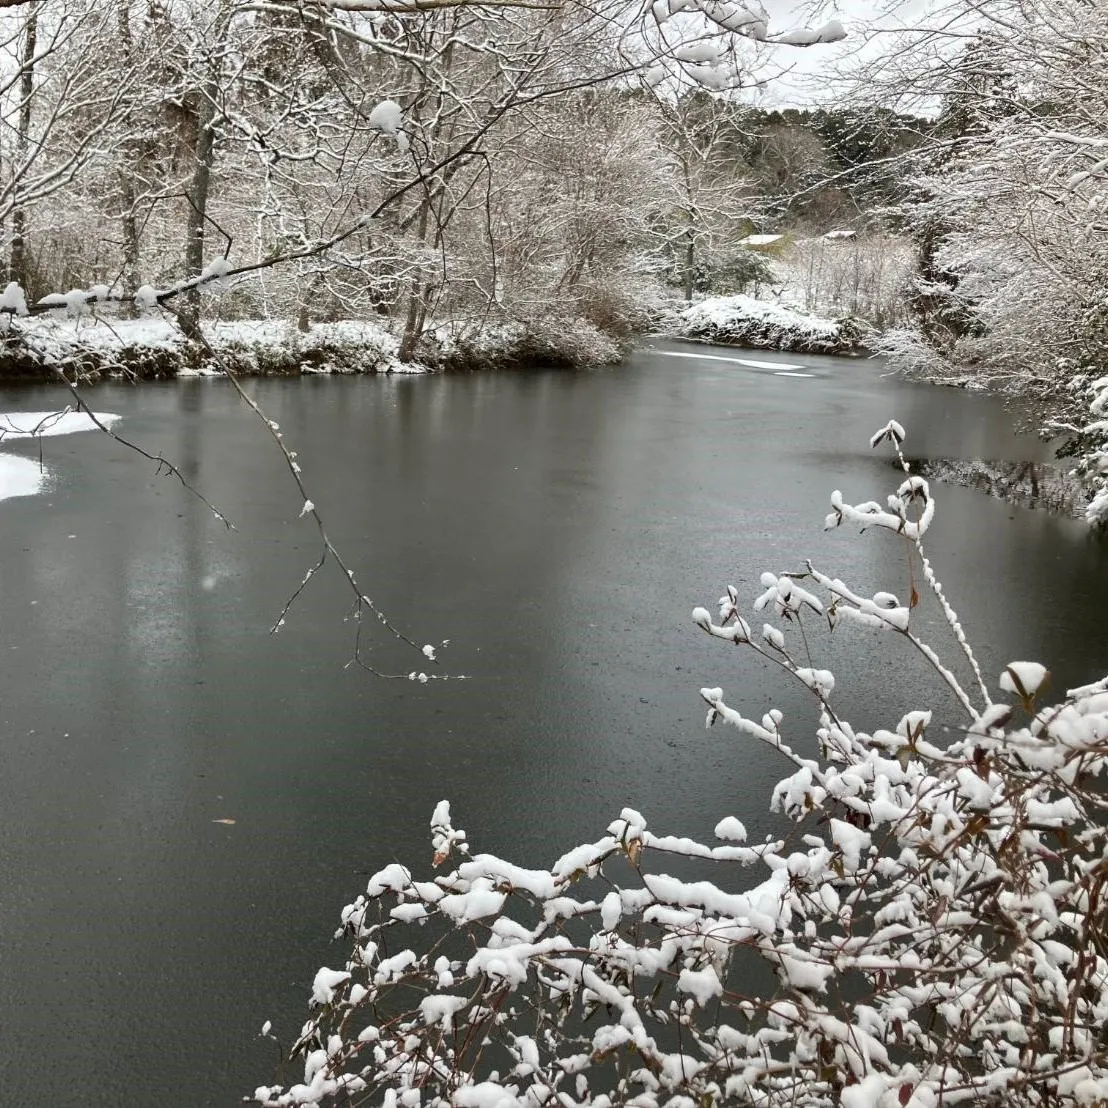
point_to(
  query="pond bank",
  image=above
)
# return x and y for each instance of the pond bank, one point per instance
(155, 349)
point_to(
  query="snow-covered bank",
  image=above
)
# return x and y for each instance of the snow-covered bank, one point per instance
(767, 325)
(155, 348)
(1068, 405)
(555, 342)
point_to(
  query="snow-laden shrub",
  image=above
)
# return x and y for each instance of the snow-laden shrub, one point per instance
(768, 325)
(1088, 444)
(345, 346)
(932, 933)
(569, 342)
(909, 352)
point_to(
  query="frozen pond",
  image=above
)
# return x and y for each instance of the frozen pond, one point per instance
(557, 528)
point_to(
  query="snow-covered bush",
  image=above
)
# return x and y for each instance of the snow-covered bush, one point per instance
(932, 932)
(512, 344)
(1088, 444)
(911, 353)
(768, 325)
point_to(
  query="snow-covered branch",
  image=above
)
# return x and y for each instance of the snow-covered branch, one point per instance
(934, 924)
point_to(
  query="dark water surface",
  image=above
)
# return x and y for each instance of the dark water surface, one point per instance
(557, 528)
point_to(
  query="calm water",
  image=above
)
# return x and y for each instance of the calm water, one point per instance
(557, 528)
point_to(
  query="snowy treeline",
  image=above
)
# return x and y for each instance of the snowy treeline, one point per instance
(1009, 201)
(432, 163)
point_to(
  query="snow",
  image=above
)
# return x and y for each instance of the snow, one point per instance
(611, 910)
(440, 1009)
(486, 1094)
(13, 299)
(701, 984)
(760, 240)
(75, 301)
(1023, 678)
(19, 477)
(722, 310)
(326, 981)
(146, 297)
(780, 367)
(768, 324)
(867, 1093)
(386, 117)
(218, 267)
(831, 31)
(730, 828)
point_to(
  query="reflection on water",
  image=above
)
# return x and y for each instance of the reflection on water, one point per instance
(1031, 484)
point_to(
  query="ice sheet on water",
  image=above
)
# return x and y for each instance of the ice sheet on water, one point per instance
(25, 425)
(19, 477)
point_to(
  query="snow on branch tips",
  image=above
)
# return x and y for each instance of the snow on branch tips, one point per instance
(929, 933)
(387, 118)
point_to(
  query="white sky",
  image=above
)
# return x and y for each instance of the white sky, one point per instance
(818, 73)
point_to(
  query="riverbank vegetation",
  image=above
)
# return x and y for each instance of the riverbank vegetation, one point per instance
(1005, 205)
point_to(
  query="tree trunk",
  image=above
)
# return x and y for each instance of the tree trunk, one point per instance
(125, 176)
(417, 297)
(197, 194)
(18, 268)
(690, 262)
